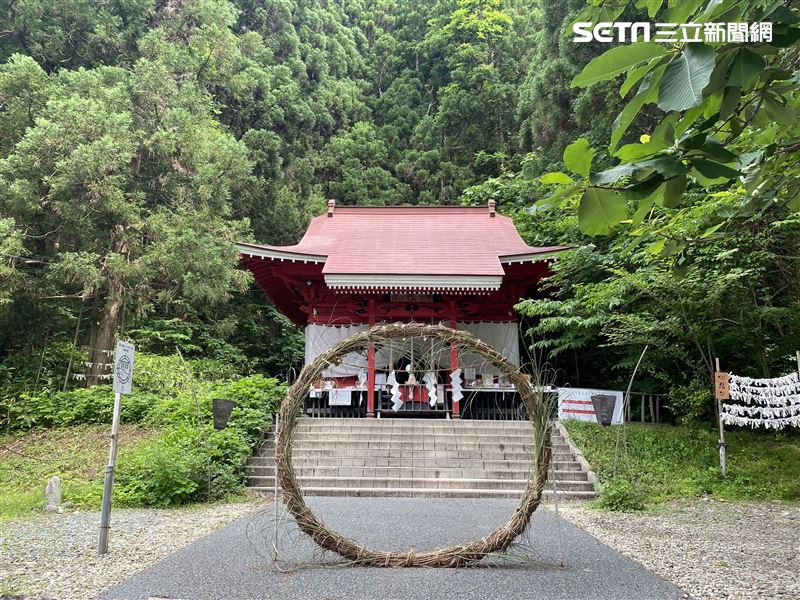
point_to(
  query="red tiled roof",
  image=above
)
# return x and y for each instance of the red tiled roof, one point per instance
(413, 240)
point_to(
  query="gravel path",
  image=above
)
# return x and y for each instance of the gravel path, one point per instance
(709, 549)
(233, 563)
(55, 556)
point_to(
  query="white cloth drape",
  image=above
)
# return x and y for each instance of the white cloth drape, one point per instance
(501, 336)
(321, 337)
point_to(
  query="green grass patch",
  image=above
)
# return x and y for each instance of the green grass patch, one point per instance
(645, 465)
(77, 455)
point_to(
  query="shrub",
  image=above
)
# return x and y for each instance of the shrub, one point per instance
(171, 375)
(620, 495)
(185, 464)
(30, 396)
(256, 397)
(691, 403)
(157, 474)
(81, 406)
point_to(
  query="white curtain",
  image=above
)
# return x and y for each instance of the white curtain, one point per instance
(501, 336)
(321, 337)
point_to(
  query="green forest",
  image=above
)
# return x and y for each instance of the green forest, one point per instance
(139, 139)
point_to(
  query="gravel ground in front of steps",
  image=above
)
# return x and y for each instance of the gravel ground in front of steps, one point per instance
(54, 556)
(709, 549)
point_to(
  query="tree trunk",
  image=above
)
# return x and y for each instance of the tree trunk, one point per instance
(101, 352)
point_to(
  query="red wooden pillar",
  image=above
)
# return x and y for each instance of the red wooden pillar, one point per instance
(371, 366)
(454, 356)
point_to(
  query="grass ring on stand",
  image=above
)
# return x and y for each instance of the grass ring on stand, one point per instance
(454, 556)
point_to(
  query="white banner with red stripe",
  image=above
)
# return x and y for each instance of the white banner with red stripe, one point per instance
(577, 403)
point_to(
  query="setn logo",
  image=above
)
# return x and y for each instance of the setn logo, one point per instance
(665, 33)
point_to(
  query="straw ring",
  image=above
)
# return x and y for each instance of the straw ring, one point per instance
(455, 556)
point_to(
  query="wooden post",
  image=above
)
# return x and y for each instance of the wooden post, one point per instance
(454, 356)
(371, 366)
(722, 445)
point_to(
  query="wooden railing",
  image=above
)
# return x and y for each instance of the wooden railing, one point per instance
(501, 405)
(644, 407)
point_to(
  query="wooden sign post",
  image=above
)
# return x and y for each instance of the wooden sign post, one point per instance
(722, 392)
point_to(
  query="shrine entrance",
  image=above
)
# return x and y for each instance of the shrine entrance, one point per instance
(354, 269)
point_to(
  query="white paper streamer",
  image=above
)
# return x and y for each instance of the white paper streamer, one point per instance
(455, 385)
(769, 403)
(430, 382)
(391, 380)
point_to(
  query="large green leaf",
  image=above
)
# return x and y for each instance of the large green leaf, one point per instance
(780, 113)
(648, 92)
(562, 193)
(714, 170)
(556, 177)
(746, 64)
(667, 166)
(673, 190)
(617, 60)
(663, 137)
(578, 157)
(634, 77)
(652, 6)
(600, 210)
(685, 77)
(729, 102)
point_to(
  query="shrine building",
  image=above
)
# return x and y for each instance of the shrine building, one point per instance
(357, 266)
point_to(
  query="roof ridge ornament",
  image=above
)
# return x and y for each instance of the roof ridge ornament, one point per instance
(492, 204)
(331, 206)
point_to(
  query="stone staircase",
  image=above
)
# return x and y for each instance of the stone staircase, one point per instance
(420, 458)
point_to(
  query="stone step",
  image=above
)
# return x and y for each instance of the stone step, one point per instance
(344, 457)
(363, 461)
(433, 483)
(408, 422)
(456, 429)
(415, 472)
(431, 493)
(378, 441)
(412, 434)
(444, 445)
(417, 457)
(419, 453)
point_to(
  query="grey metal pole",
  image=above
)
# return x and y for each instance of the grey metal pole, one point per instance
(275, 494)
(723, 459)
(108, 485)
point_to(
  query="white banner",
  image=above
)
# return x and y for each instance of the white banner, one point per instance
(577, 403)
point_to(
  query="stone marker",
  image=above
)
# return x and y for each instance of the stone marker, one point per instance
(52, 492)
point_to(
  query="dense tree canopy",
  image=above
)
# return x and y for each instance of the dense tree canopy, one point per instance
(139, 138)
